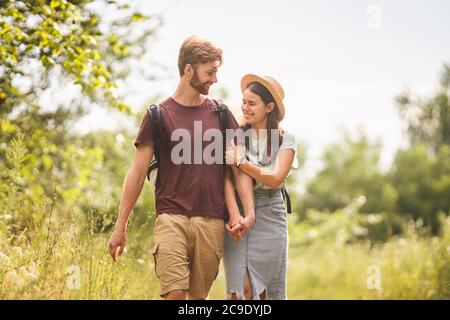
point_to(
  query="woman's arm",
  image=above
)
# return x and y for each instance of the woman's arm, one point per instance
(272, 178)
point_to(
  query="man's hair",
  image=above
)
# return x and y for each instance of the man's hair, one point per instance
(196, 50)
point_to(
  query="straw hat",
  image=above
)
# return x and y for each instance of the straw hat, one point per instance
(270, 84)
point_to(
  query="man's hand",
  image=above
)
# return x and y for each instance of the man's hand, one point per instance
(234, 228)
(239, 230)
(235, 232)
(234, 218)
(117, 240)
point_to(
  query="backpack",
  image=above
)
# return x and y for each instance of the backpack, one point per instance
(160, 138)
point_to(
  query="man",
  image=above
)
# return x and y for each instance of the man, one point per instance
(189, 230)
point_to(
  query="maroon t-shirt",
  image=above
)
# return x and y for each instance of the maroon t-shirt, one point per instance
(188, 188)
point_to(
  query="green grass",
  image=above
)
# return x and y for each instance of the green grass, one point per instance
(45, 267)
(410, 268)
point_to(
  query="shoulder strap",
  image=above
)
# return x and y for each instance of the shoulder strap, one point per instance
(284, 191)
(286, 198)
(222, 109)
(159, 137)
(154, 114)
(280, 139)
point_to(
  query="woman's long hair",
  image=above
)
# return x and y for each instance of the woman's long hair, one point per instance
(273, 117)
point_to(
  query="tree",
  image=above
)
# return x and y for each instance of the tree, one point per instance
(350, 170)
(68, 39)
(43, 46)
(422, 181)
(421, 174)
(428, 120)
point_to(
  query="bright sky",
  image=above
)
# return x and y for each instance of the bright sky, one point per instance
(341, 63)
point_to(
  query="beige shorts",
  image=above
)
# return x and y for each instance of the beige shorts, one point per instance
(187, 253)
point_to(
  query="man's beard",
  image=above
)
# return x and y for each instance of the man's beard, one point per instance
(195, 83)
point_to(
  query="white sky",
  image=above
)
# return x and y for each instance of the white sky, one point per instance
(339, 64)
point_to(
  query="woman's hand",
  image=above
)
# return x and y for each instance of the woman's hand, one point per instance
(247, 224)
(234, 227)
(234, 153)
(240, 230)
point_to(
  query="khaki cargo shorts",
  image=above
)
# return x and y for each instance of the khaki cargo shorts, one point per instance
(187, 253)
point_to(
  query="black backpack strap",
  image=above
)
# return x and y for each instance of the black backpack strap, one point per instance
(222, 109)
(159, 138)
(154, 115)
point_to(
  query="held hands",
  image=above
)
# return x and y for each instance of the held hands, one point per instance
(234, 227)
(239, 227)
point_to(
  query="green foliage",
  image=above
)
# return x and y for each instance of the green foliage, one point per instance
(104, 190)
(428, 120)
(422, 181)
(418, 183)
(71, 37)
(421, 174)
(18, 198)
(327, 263)
(60, 191)
(347, 225)
(70, 42)
(71, 264)
(43, 238)
(350, 169)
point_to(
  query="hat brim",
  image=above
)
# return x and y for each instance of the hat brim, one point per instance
(249, 78)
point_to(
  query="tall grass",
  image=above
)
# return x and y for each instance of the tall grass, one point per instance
(72, 265)
(410, 267)
(49, 251)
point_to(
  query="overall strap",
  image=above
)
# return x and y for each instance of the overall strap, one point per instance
(286, 198)
(284, 192)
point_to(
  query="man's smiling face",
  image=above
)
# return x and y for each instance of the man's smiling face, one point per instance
(204, 76)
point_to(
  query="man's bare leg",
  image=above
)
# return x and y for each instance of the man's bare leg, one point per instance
(194, 298)
(175, 295)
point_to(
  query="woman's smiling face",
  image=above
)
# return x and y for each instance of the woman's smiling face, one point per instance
(254, 108)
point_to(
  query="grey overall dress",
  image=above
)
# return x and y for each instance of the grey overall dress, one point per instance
(263, 251)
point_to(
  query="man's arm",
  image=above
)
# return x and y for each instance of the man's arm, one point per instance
(134, 181)
(230, 199)
(244, 184)
(235, 220)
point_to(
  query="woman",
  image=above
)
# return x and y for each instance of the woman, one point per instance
(256, 264)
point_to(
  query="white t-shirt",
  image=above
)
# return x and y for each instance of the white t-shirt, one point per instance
(256, 154)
